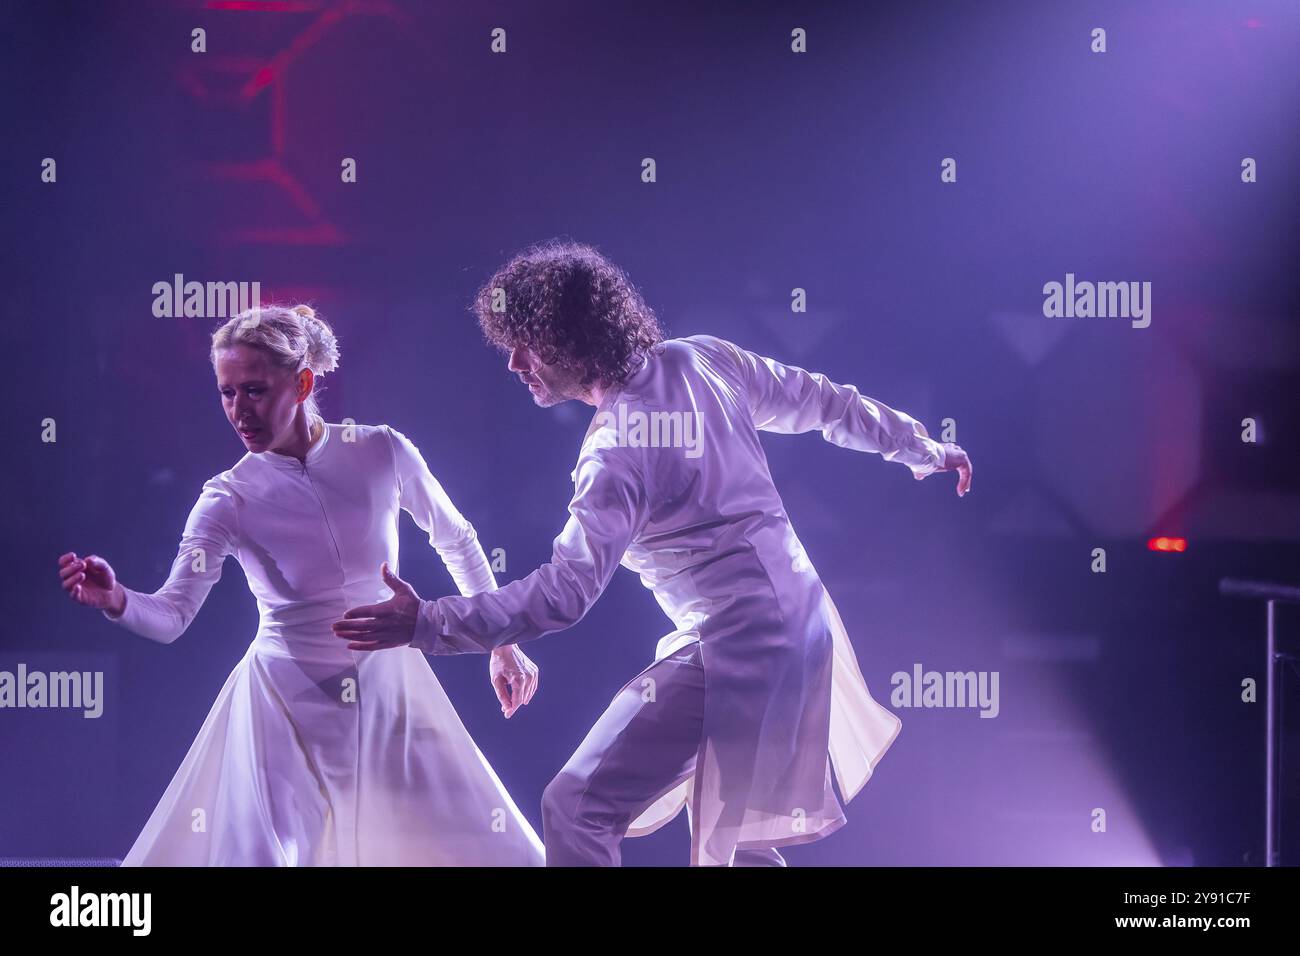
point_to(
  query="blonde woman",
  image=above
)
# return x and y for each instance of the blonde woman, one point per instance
(314, 754)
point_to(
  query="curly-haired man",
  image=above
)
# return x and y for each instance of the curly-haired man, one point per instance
(756, 695)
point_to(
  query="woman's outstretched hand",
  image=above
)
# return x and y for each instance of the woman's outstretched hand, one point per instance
(91, 581)
(514, 677)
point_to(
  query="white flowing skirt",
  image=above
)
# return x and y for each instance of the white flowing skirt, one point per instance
(359, 760)
(860, 732)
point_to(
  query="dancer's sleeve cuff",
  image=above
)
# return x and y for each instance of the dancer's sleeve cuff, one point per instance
(126, 609)
(937, 459)
(428, 628)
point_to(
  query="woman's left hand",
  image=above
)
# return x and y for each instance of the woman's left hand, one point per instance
(514, 677)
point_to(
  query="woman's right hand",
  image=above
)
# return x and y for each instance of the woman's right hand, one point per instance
(91, 581)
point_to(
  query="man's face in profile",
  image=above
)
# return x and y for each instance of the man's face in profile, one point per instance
(549, 384)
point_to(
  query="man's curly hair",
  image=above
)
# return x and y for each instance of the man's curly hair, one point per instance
(571, 306)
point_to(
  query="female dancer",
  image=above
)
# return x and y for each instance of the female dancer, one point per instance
(314, 754)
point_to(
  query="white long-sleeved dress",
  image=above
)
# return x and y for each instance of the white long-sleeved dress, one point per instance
(703, 525)
(314, 754)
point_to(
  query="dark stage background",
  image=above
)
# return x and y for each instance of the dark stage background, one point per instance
(775, 170)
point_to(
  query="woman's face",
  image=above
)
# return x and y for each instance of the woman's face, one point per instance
(260, 399)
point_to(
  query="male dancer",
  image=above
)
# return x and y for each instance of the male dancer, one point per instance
(758, 683)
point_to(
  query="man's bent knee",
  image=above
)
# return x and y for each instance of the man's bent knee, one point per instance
(561, 797)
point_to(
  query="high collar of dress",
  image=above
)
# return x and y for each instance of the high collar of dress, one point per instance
(288, 462)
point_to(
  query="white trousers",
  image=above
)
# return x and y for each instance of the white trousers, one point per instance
(643, 746)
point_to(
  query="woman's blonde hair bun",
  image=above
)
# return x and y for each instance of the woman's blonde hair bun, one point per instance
(323, 347)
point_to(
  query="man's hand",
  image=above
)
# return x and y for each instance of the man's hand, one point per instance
(955, 459)
(376, 627)
(514, 677)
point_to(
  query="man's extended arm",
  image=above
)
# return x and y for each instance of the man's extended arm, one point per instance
(785, 398)
(607, 510)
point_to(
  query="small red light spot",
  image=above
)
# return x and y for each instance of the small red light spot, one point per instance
(1167, 544)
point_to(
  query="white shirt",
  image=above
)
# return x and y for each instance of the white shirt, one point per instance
(704, 527)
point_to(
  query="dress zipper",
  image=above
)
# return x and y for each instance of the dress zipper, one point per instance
(324, 513)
